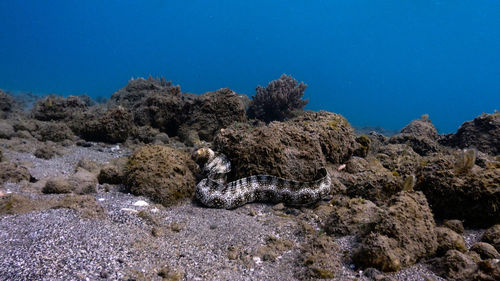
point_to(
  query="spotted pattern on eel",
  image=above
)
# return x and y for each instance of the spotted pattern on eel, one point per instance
(214, 192)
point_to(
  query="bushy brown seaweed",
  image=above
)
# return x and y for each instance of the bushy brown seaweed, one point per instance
(278, 100)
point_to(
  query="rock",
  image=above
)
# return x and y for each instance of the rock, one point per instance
(319, 258)
(160, 173)
(53, 131)
(1, 155)
(373, 182)
(213, 111)
(152, 102)
(88, 165)
(455, 225)
(421, 128)
(24, 135)
(482, 133)
(83, 181)
(351, 217)
(110, 174)
(472, 196)
(45, 152)
(171, 274)
(114, 126)
(6, 130)
(492, 236)
(294, 149)
(376, 275)
(56, 108)
(455, 266)
(6, 105)
(399, 158)
(13, 172)
(146, 134)
(449, 240)
(363, 146)
(485, 250)
(489, 270)
(404, 234)
(57, 185)
(357, 165)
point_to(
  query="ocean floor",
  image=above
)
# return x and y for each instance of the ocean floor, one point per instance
(136, 239)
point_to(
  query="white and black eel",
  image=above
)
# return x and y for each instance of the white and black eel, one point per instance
(214, 192)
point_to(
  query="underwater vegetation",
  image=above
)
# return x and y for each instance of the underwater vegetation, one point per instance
(278, 100)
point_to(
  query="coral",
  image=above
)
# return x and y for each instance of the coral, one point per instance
(160, 173)
(278, 100)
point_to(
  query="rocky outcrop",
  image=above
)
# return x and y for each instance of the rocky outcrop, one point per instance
(404, 234)
(455, 265)
(455, 191)
(114, 126)
(213, 111)
(293, 149)
(56, 108)
(420, 135)
(482, 133)
(399, 158)
(368, 179)
(160, 173)
(353, 216)
(449, 240)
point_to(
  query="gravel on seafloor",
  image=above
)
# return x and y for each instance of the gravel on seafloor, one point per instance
(188, 239)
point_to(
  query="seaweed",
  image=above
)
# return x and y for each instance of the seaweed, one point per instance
(281, 99)
(465, 161)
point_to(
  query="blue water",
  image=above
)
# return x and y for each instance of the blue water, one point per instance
(376, 62)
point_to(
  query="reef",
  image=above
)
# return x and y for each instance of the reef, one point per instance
(123, 173)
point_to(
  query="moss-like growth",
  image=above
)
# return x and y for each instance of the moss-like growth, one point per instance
(160, 173)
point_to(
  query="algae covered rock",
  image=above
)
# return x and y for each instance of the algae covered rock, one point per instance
(53, 131)
(152, 102)
(482, 133)
(492, 236)
(319, 259)
(13, 172)
(160, 173)
(404, 234)
(455, 265)
(420, 135)
(1, 155)
(352, 216)
(83, 181)
(57, 185)
(45, 152)
(449, 240)
(54, 108)
(368, 179)
(294, 149)
(114, 126)
(6, 130)
(213, 111)
(454, 192)
(399, 158)
(485, 250)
